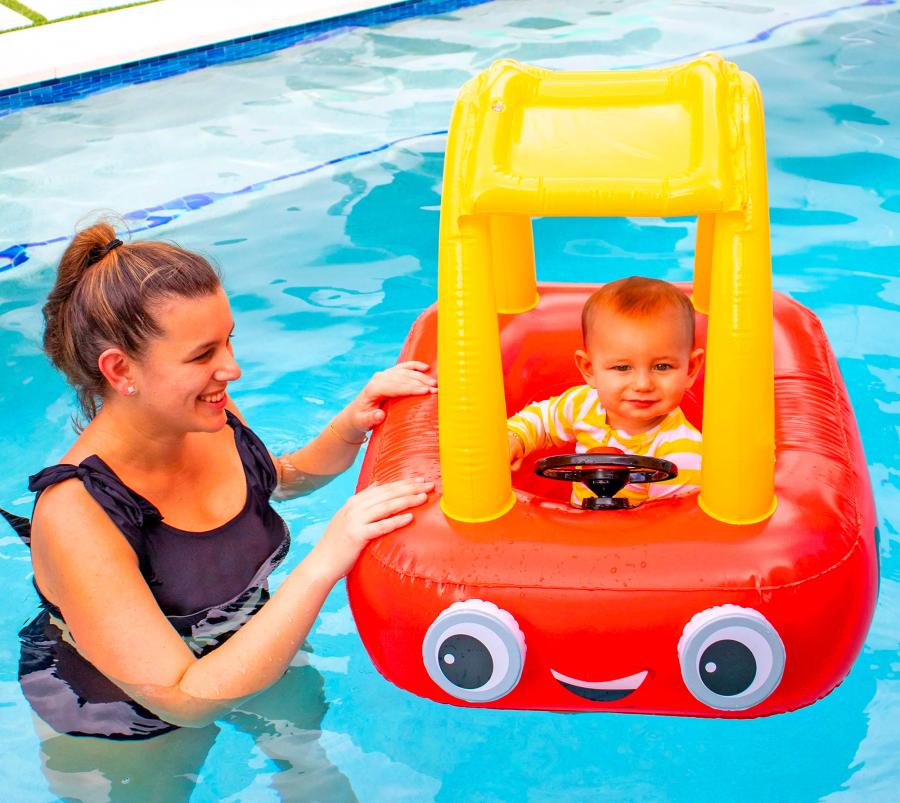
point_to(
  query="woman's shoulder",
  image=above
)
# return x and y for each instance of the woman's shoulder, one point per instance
(60, 484)
(67, 492)
(66, 522)
(83, 489)
(64, 493)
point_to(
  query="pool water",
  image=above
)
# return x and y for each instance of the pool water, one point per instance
(312, 176)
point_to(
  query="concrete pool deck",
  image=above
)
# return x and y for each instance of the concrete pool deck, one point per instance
(124, 35)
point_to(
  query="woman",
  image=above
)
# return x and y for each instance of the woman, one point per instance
(153, 537)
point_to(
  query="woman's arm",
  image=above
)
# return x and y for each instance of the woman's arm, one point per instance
(84, 565)
(335, 448)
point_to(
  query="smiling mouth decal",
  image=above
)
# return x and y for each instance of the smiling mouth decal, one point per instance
(604, 691)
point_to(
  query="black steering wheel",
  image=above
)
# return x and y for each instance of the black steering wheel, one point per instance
(605, 474)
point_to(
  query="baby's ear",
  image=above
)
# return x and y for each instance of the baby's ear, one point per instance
(695, 363)
(585, 366)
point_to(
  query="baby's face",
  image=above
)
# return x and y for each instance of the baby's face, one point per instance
(640, 367)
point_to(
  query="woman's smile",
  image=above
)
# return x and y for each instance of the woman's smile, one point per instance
(216, 400)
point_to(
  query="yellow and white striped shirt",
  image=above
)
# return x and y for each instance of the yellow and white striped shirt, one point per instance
(577, 416)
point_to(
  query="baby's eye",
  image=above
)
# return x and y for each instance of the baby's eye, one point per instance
(621, 368)
(663, 366)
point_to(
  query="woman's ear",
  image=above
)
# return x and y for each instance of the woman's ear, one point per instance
(117, 370)
(695, 363)
(585, 366)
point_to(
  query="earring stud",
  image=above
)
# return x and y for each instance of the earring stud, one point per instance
(131, 390)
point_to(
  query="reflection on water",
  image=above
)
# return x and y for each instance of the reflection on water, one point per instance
(326, 274)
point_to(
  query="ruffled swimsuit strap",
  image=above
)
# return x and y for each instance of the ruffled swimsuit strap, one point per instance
(129, 511)
(256, 459)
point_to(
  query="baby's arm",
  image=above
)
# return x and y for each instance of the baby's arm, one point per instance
(516, 450)
(541, 425)
(684, 449)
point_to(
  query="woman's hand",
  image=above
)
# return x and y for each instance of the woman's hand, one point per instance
(335, 449)
(402, 379)
(373, 512)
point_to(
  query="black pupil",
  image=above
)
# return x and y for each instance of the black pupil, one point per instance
(727, 667)
(465, 662)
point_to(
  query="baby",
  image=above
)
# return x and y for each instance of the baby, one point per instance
(638, 361)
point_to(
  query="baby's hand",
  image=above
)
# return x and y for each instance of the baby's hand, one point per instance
(516, 451)
(404, 379)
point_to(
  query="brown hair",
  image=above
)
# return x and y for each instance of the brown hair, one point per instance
(105, 297)
(638, 297)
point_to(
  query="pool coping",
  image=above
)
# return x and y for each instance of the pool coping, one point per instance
(98, 52)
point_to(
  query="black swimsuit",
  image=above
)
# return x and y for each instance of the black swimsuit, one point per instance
(207, 584)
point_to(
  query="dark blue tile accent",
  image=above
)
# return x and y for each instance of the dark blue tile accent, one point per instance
(58, 90)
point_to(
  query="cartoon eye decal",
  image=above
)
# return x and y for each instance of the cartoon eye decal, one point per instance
(731, 657)
(474, 651)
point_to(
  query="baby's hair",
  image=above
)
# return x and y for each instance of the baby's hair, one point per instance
(106, 294)
(638, 297)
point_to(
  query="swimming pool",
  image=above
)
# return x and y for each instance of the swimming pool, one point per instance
(330, 255)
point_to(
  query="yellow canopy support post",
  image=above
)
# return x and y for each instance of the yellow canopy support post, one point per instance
(703, 260)
(674, 141)
(738, 470)
(471, 373)
(512, 260)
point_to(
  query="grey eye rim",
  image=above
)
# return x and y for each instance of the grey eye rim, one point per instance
(486, 629)
(716, 627)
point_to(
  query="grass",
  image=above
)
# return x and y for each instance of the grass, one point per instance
(36, 18)
(39, 19)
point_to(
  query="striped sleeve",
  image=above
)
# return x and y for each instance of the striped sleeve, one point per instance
(548, 423)
(681, 444)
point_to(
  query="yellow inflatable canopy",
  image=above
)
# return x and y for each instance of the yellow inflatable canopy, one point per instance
(682, 140)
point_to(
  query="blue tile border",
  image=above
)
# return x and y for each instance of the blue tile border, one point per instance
(60, 90)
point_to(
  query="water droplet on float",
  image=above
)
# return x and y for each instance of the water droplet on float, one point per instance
(498, 106)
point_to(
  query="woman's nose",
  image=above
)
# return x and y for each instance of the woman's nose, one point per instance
(229, 370)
